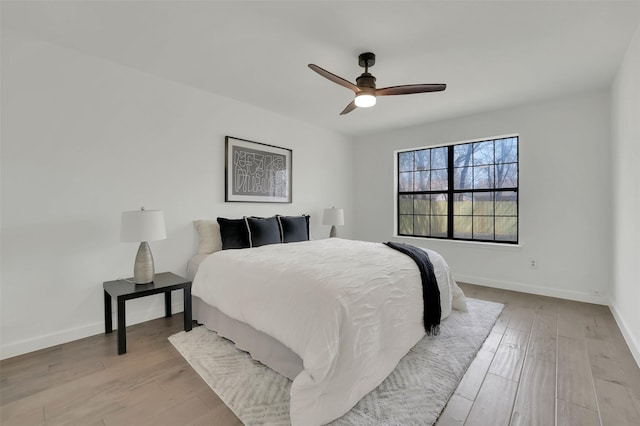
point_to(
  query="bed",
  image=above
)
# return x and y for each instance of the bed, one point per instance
(335, 316)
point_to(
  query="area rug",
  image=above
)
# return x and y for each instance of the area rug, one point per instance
(413, 394)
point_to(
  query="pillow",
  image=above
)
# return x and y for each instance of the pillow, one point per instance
(233, 233)
(459, 302)
(208, 235)
(294, 228)
(263, 231)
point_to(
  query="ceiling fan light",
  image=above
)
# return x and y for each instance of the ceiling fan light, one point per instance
(365, 100)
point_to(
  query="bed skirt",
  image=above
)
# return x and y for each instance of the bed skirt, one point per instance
(260, 346)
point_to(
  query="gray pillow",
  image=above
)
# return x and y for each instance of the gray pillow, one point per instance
(263, 231)
(234, 233)
(294, 228)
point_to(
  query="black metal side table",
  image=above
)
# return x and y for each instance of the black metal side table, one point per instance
(124, 290)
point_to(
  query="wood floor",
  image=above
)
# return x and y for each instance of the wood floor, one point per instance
(546, 362)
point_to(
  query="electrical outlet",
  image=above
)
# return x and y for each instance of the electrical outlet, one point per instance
(533, 264)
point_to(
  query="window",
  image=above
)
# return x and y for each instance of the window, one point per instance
(466, 191)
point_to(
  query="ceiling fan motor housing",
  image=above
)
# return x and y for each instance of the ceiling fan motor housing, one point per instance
(366, 80)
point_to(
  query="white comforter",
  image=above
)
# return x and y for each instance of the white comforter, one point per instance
(350, 309)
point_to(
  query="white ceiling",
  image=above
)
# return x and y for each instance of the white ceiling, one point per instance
(491, 54)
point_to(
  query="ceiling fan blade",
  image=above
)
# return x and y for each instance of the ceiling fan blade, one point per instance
(349, 108)
(338, 80)
(409, 89)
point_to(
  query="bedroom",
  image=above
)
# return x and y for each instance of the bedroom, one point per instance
(99, 116)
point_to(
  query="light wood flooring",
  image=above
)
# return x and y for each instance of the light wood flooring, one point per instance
(546, 362)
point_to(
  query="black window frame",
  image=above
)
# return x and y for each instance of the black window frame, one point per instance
(451, 192)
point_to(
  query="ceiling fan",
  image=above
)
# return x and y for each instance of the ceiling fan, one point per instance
(365, 87)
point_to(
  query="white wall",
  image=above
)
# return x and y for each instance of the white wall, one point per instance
(625, 292)
(84, 139)
(565, 202)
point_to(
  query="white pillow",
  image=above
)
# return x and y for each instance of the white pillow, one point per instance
(209, 235)
(459, 302)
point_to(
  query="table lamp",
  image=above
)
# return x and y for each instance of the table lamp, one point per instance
(141, 226)
(333, 217)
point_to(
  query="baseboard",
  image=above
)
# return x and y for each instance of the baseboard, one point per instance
(48, 340)
(634, 345)
(578, 296)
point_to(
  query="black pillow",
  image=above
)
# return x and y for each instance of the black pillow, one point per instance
(263, 231)
(234, 233)
(294, 228)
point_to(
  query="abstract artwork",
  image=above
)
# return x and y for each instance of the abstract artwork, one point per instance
(256, 172)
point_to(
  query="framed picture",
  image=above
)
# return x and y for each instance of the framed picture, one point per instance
(256, 172)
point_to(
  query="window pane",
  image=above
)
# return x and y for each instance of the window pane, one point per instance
(421, 225)
(483, 153)
(483, 227)
(483, 177)
(421, 182)
(421, 204)
(406, 161)
(406, 204)
(484, 186)
(462, 155)
(439, 180)
(507, 229)
(507, 150)
(462, 178)
(406, 182)
(462, 204)
(439, 158)
(439, 204)
(406, 225)
(423, 159)
(506, 175)
(438, 226)
(462, 227)
(506, 203)
(483, 204)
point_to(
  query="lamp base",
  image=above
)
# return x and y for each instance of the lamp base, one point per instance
(143, 269)
(334, 232)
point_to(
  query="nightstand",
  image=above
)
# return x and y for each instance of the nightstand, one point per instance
(124, 290)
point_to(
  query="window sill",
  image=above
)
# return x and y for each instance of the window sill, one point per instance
(470, 244)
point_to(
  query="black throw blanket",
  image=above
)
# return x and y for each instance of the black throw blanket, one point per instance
(430, 290)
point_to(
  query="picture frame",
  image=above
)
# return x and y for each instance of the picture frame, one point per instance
(257, 172)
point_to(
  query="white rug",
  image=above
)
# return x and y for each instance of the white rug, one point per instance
(413, 394)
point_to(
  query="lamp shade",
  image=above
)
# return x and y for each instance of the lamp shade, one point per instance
(142, 225)
(333, 216)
